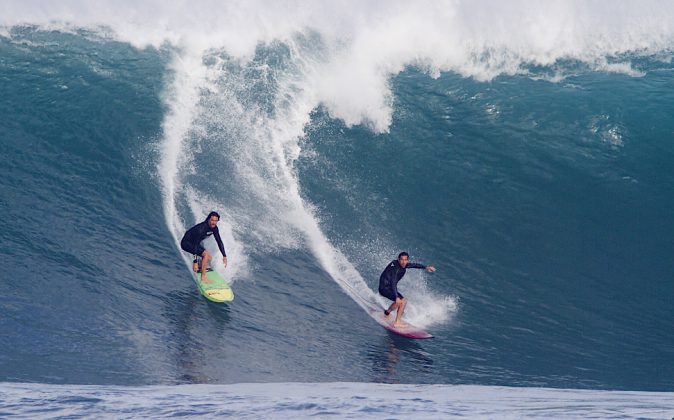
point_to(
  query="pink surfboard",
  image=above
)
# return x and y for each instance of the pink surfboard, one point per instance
(410, 331)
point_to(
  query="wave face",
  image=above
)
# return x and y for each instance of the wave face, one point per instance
(524, 151)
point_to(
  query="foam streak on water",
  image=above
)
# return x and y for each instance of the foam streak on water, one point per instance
(339, 400)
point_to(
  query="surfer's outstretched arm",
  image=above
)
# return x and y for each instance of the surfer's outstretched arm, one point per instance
(428, 268)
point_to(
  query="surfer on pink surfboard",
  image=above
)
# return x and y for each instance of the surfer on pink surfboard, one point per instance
(388, 285)
(192, 239)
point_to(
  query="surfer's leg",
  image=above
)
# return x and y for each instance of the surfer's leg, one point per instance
(193, 249)
(401, 302)
(390, 295)
(390, 309)
(205, 260)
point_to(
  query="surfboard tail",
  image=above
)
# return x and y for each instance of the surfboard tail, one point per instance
(409, 331)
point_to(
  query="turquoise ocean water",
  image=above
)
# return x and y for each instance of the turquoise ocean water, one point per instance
(528, 156)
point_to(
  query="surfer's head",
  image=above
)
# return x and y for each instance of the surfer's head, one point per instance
(403, 258)
(212, 219)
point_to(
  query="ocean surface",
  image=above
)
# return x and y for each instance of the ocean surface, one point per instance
(525, 150)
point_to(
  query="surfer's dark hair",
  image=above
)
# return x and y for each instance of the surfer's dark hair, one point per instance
(211, 214)
(403, 254)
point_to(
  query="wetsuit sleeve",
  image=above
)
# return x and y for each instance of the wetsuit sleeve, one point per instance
(415, 265)
(216, 235)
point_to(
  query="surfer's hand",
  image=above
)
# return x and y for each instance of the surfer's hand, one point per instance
(224, 261)
(430, 269)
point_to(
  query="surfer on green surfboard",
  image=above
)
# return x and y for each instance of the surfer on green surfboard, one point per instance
(192, 239)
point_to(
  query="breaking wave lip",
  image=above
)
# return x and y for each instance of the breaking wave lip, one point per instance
(365, 43)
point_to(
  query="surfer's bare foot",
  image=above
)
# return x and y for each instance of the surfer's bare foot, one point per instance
(400, 324)
(205, 279)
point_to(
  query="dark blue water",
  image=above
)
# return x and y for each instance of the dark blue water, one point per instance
(544, 203)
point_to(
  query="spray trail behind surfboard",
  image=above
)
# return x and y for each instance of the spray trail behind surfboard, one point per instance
(265, 148)
(248, 117)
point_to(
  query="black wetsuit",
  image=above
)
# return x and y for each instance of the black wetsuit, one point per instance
(191, 242)
(388, 281)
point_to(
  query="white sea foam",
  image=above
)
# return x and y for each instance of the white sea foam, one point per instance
(181, 98)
